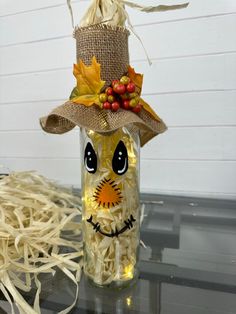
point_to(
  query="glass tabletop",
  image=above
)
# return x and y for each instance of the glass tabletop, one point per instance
(187, 264)
(198, 234)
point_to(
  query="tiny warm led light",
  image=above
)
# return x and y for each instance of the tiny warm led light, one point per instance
(128, 271)
(83, 199)
(91, 132)
(86, 199)
(129, 301)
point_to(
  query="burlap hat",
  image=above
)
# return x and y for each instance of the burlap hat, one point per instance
(109, 44)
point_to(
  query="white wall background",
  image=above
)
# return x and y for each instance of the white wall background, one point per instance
(191, 84)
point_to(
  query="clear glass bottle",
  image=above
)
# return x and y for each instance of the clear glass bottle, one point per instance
(111, 209)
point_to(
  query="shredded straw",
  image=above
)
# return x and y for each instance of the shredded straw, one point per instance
(33, 214)
(111, 260)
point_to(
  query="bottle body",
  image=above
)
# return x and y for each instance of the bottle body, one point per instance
(111, 210)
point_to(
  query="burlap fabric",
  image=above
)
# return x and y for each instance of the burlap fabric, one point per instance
(109, 45)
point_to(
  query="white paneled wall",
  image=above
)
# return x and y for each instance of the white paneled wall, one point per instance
(191, 84)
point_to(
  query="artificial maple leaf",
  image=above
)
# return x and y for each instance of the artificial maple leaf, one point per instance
(89, 83)
(137, 78)
(149, 110)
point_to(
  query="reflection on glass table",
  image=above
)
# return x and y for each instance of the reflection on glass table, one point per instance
(201, 236)
(188, 264)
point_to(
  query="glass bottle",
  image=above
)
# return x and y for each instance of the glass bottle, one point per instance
(111, 209)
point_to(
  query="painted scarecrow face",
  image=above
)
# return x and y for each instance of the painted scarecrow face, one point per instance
(110, 180)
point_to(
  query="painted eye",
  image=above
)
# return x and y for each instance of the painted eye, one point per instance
(120, 159)
(90, 158)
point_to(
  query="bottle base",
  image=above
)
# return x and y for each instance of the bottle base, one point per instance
(114, 285)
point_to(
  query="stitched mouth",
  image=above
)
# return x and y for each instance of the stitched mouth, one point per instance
(107, 194)
(128, 224)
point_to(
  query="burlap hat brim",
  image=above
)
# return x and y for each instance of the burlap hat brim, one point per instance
(65, 117)
(109, 44)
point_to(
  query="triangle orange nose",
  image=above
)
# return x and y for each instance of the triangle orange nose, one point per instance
(107, 194)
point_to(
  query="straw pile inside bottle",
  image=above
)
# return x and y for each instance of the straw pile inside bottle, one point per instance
(33, 213)
(111, 259)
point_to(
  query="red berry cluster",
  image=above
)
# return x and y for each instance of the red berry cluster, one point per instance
(121, 94)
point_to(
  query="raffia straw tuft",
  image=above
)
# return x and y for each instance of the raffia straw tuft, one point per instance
(33, 214)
